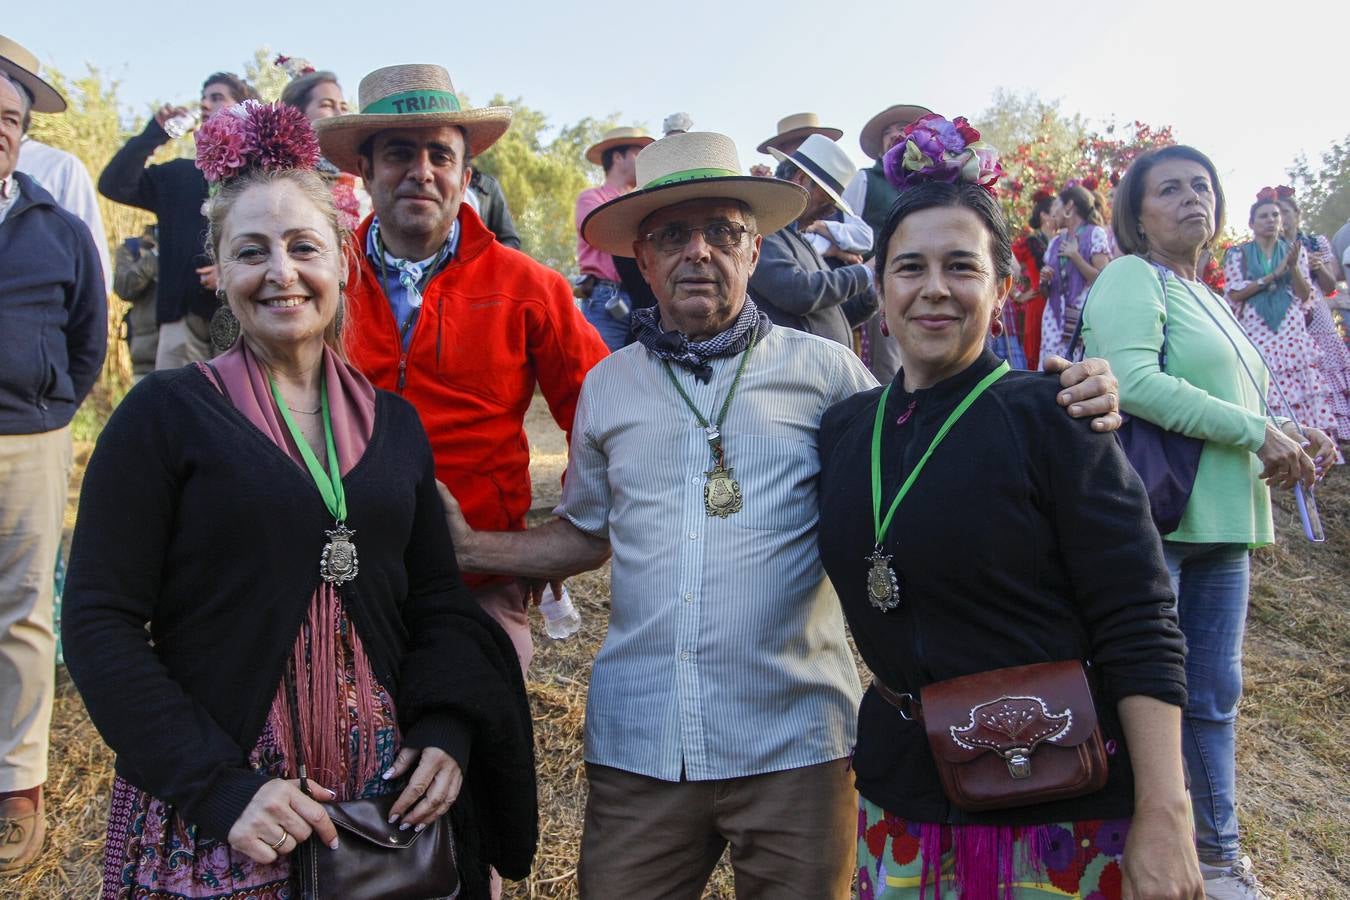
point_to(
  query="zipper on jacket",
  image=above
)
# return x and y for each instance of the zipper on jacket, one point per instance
(402, 370)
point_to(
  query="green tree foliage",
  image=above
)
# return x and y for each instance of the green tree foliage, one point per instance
(1324, 193)
(264, 76)
(542, 176)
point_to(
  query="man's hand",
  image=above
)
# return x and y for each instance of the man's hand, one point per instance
(167, 112)
(534, 588)
(849, 259)
(460, 532)
(209, 277)
(1091, 390)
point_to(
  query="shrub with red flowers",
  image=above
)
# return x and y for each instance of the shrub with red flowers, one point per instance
(253, 135)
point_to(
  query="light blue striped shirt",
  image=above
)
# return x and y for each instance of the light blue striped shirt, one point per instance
(726, 653)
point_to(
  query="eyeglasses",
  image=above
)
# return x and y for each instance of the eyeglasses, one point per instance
(674, 238)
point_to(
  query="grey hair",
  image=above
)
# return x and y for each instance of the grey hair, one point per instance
(24, 96)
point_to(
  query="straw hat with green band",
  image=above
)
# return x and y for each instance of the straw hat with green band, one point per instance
(697, 165)
(22, 66)
(407, 96)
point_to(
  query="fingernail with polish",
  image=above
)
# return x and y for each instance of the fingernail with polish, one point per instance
(420, 827)
(404, 827)
(333, 845)
(393, 817)
(387, 774)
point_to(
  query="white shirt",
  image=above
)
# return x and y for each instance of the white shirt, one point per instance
(67, 180)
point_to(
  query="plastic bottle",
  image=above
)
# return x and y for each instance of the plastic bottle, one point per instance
(561, 619)
(180, 124)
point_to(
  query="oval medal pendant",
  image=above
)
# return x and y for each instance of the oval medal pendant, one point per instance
(337, 565)
(721, 492)
(883, 588)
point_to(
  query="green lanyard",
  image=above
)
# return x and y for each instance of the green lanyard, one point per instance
(961, 407)
(714, 429)
(329, 483)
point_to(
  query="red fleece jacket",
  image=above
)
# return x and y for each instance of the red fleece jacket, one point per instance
(493, 324)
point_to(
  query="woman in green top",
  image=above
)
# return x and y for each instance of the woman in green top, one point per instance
(1168, 208)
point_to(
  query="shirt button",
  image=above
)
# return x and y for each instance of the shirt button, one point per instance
(688, 598)
(693, 536)
(684, 654)
(694, 480)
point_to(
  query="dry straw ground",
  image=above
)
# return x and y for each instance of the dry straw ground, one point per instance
(1294, 744)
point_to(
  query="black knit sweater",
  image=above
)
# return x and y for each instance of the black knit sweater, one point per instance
(1025, 539)
(193, 521)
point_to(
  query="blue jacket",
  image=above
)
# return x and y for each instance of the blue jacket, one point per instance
(53, 313)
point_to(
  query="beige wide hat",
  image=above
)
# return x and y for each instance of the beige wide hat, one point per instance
(22, 66)
(617, 137)
(825, 163)
(900, 114)
(407, 96)
(796, 127)
(695, 165)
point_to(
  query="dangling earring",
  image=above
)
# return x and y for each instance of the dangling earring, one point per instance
(996, 324)
(885, 329)
(224, 329)
(340, 317)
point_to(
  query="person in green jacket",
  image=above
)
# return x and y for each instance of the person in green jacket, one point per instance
(1168, 208)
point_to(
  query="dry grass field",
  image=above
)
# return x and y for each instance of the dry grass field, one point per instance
(1294, 742)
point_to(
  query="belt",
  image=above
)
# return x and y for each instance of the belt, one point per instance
(909, 706)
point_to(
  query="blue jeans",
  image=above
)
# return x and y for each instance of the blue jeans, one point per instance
(1211, 583)
(614, 332)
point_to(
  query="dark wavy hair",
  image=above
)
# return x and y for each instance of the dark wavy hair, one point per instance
(1130, 195)
(941, 195)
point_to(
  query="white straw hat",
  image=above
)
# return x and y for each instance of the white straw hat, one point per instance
(407, 96)
(695, 165)
(825, 163)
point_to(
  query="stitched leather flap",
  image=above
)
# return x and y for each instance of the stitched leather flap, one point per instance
(1020, 707)
(369, 819)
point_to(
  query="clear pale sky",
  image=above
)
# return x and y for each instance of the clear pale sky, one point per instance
(1251, 90)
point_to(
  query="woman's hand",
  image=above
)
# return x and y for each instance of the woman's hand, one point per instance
(1068, 248)
(1316, 443)
(1091, 390)
(1159, 862)
(279, 818)
(432, 789)
(1285, 462)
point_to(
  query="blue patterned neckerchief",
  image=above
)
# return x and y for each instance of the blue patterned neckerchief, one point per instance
(406, 301)
(694, 356)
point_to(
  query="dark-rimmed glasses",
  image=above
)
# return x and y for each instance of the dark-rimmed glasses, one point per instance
(674, 237)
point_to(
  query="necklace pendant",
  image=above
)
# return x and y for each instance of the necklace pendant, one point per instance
(338, 565)
(883, 587)
(713, 434)
(721, 492)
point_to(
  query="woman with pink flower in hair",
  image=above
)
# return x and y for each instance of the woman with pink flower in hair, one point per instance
(317, 94)
(262, 574)
(970, 529)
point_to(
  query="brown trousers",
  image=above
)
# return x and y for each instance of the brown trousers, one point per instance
(793, 834)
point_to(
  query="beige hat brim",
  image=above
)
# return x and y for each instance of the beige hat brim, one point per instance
(340, 137)
(595, 154)
(613, 226)
(802, 133)
(834, 195)
(870, 136)
(46, 99)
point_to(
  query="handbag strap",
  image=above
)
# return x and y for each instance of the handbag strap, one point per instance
(293, 701)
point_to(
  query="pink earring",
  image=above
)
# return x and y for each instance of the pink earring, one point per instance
(996, 326)
(885, 329)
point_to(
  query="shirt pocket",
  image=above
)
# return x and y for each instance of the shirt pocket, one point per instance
(778, 482)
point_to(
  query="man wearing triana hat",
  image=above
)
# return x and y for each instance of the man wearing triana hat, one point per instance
(445, 315)
(792, 283)
(53, 336)
(605, 303)
(722, 705)
(871, 195)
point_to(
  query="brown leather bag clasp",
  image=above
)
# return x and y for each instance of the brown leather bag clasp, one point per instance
(1016, 736)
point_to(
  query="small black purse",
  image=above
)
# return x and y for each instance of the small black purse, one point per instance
(374, 859)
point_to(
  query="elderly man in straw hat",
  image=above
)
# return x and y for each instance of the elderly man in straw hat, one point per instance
(53, 334)
(440, 312)
(793, 284)
(605, 302)
(722, 705)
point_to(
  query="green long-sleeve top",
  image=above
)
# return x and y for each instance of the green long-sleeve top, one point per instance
(1205, 392)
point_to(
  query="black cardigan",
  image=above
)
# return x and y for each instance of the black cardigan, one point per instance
(1025, 539)
(193, 521)
(174, 191)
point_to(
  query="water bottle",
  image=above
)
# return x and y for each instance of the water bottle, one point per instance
(180, 124)
(561, 619)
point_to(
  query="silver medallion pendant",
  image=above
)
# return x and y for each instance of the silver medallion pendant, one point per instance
(721, 492)
(883, 588)
(337, 565)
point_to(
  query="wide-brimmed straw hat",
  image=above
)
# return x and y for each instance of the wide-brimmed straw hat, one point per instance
(22, 66)
(825, 163)
(697, 165)
(796, 127)
(407, 96)
(617, 137)
(900, 114)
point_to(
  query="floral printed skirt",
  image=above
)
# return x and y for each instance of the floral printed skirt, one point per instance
(903, 860)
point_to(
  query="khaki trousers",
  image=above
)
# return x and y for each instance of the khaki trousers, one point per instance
(793, 834)
(186, 341)
(34, 476)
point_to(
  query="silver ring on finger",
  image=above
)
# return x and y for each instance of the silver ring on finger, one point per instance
(280, 841)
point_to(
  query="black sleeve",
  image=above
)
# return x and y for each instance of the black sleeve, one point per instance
(1112, 552)
(502, 224)
(126, 178)
(167, 744)
(86, 314)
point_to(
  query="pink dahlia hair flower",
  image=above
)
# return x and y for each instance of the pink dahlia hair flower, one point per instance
(253, 135)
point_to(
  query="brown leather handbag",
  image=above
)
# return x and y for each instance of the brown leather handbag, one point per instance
(1016, 736)
(374, 860)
